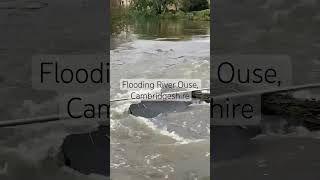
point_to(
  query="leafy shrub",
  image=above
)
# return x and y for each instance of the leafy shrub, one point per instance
(145, 7)
(194, 5)
(202, 15)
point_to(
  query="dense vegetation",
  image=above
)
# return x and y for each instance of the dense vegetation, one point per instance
(192, 9)
(194, 5)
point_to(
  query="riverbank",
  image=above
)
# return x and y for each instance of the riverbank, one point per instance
(124, 15)
(203, 15)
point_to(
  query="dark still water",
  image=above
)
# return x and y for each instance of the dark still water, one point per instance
(155, 28)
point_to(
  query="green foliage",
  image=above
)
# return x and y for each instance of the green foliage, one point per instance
(194, 5)
(147, 8)
(203, 15)
(192, 9)
(119, 19)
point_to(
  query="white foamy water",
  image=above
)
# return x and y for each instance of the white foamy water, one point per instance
(169, 146)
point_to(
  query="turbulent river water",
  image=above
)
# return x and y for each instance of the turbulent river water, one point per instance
(169, 146)
(172, 145)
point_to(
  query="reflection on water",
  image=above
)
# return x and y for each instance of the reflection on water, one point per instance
(155, 28)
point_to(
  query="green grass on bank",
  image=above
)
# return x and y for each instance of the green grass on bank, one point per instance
(203, 15)
(122, 14)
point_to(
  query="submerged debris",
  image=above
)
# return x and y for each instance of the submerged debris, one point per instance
(302, 111)
(26, 5)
